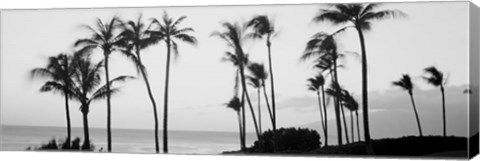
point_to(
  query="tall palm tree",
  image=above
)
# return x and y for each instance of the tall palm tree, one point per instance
(257, 80)
(236, 105)
(104, 37)
(263, 27)
(316, 84)
(335, 91)
(234, 37)
(436, 78)
(86, 88)
(361, 17)
(230, 57)
(136, 38)
(406, 83)
(323, 47)
(58, 71)
(351, 104)
(170, 32)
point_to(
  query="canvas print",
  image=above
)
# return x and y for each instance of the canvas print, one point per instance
(351, 79)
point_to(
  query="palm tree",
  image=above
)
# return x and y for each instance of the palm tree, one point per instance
(58, 71)
(85, 88)
(230, 57)
(136, 38)
(361, 16)
(257, 80)
(169, 31)
(323, 46)
(264, 27)
(316, 84)
(335, 91)
(103, 37)
(234, 36)
(351, 104)
(406, 83)
(436, 78)
(236, 105)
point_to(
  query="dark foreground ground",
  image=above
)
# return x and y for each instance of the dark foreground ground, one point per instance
(427, 146)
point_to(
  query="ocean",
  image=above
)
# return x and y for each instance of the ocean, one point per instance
(19, 138)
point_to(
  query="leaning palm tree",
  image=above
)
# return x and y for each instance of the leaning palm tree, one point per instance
(406, 83)
(104, 37)
(58, 71)
(234, 37)
(86, 82)
(263, 27)
(323, 47)
(235, 104)
(316, 84)
(257, 80)
(436, 78)
(135, 38)
(351, 104)
(230, 57)
(170, 32)
(335, 91)
(361, 17)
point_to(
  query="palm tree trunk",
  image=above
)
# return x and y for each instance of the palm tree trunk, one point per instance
(321, 113)
(325, 113)
(352, 128)
(244, 86)
(69, 129)
(345, 127)
(269, 44)
(240, 130)
(165, 104)
(416, 114)
(358, 125)
(366, 127)
(243, 122)
(443, 109)
(152, 100)
(86, 133)
(259, 111)
(337, 107)
(109, 110)
(268, 106)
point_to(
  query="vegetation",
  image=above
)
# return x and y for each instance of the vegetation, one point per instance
(406, 83)
(316, 85)
(53, 144)
(436, 78)
(287, 140)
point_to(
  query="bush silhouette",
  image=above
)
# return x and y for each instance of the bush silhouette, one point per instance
(53, 144)
(287, 140)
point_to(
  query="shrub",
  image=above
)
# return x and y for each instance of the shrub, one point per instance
(287, 140)
(53, 144)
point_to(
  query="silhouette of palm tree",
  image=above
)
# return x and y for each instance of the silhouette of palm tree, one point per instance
(436, 78)
(335, 91)
(58, 72)
(323, 46)
(351, 104)
(169, 31)
(230, 57)
(257, 80)
(103, 37)
(406, 83)
(236, 105)
(316, 84)
(135, 38)
(263, 27)
(361, 16)
(234, 37)
(85, 87)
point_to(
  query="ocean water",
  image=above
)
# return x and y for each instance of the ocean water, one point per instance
(18, 138)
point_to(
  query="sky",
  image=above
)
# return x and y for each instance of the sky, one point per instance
(200, 83)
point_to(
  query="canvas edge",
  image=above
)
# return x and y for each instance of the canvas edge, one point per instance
(474, 59)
